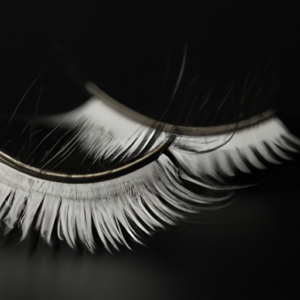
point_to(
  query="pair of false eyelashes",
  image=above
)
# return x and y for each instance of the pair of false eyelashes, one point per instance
(160, 174)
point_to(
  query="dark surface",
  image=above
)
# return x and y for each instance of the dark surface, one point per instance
(248, 250)
(134, 50)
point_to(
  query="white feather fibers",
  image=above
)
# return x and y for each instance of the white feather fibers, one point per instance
(148, 198)
(127, 200)
(238, 150)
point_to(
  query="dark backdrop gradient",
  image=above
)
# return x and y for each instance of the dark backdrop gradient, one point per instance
(249, 250)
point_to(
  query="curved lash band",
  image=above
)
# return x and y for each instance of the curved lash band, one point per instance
(181, 174)
(85, 178)
(137, 162)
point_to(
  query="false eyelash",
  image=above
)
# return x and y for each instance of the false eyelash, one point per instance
(268, 139)
(189, 176)
(108, 133)
(153, 196)
(108, 205)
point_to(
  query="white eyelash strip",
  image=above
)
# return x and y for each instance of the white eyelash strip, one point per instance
(105, 133)
(234, 154)
(122, 201)
(149, 197)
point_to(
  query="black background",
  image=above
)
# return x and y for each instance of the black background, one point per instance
(248, 250)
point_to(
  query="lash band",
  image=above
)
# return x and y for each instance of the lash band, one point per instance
(86, 178)
(190, 131)
(137, 163)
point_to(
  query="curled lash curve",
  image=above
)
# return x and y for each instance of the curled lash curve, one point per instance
(138, 162)
(169, 128)
(86, 178)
